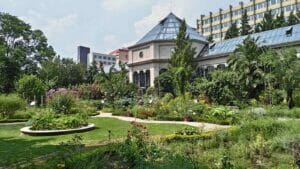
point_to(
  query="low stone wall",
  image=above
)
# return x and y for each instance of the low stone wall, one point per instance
(28, 131)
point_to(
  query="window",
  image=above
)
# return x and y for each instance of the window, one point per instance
(206, 21)
(104, 57)
(113, 59)
(141, 54)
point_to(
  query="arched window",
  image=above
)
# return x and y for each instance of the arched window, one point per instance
(142, 79)
(147, 78)
(136, 78)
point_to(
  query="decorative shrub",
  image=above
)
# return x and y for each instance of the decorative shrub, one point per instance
(51, 121)
(90, 91)
(62, 104)
(31, 88)
(86, 106)
(9, 104)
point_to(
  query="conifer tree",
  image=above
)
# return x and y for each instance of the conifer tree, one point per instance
(182, 61)
(280, 21)
(292, 19)
(232, 32)
(268, 22)
(245, 27)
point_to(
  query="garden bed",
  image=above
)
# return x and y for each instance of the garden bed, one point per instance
(28, 131)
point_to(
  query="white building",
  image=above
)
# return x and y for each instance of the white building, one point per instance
(101, 59)
(150, 55)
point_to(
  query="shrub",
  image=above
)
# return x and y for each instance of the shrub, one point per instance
(9, 104)
(62, 104)
(90, 91)
(267, 127)
(51, 121)
(297, 99)
(31, 88)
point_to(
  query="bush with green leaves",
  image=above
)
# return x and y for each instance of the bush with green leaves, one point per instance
(62, 103)
(9, 104)
(178, 108)
(51, 121)
(31, 88)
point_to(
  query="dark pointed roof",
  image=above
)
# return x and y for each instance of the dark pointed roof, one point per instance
(167, 29)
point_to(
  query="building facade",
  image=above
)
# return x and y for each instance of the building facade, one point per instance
(82, 55)
(102, 59)
(149, 56)
(121, 55)
(216, 24)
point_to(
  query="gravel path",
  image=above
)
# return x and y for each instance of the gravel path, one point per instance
(204, 126)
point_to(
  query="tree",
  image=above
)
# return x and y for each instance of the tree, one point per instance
(289, 73)
(182, 63)
(280, 20)
(268, 22)
(164, 83)
(245, 27)
(22, 49)
(61, 73)
(244, 61)
(115, 84)
(31, 88)
(292, 19)
(232, 31)
(91, 73)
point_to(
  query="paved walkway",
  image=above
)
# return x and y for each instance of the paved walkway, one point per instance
(204, 126)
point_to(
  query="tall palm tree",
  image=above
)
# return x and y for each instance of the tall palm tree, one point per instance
(245, 61)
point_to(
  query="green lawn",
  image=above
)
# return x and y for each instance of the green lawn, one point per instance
(15, 146)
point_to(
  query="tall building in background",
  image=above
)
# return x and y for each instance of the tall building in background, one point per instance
(82, 55)
(102, 59)
(121, 55)
(216, 24)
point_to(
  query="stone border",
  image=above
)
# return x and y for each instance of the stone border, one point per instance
(28, 131)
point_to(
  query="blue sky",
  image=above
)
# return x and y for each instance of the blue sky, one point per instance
(103, 25)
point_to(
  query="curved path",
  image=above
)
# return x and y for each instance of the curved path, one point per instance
(204, 126)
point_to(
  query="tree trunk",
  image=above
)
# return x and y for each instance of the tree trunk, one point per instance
(290, 99)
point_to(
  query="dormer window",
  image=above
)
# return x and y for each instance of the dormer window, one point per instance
(141, 54)
(289, 32)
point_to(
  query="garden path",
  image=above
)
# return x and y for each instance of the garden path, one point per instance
(204, 126)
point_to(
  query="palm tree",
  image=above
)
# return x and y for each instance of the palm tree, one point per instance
(245, 62)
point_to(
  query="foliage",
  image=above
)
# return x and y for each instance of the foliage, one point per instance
(178, 108)
(280, 20)
(164, 83)
(31, 87)
(90, 91)
(62, 104)
(268, 22)
(288, 74)
(61, 73)
(244, 61)
(245, 27)
(210, 39)
(51, 121)
(91, 73)
(21, 50)
(9, 104)
(182, 61)
(292, 19)
(115, 84)
(232, 31)
(223, 87)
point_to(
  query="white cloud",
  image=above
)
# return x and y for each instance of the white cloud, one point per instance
(60, 25)
(158, 12)
(117, 5)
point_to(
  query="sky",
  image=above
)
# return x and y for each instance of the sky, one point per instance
(103, 25)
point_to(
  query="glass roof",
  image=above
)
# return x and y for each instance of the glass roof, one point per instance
(268, 38)
(167, 29)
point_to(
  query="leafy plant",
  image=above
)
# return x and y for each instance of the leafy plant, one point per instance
(61, 104)
(9, 104)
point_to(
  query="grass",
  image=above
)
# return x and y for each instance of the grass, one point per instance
(15, 147)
